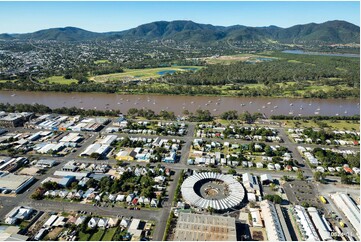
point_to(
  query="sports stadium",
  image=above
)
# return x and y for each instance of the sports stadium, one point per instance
(215, 190)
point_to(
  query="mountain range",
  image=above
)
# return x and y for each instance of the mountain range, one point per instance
(336, 31)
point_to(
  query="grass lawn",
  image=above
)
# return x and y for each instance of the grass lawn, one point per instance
(98, 235)
(7, 80)
(97, 62)
(140, 74)
(83, 236)
(335, 125)
(58, 80)
(109, 234)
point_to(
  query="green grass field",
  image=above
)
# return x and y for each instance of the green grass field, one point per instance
(98, 62)
(139, 74)
(83, 236)
(109, 234)
(98, 235)
(58, 80)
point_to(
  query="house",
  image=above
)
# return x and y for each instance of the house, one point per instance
(80, 220)
(171, 158)
(270, 166)
(111, 197)
(347, 169)
(93, 222)
(135, 201)
(141, 200)
(288, 168)
(159, 179)
(124, 223)
(120, 198)
(112, 222)
(129, 198)
(154, 203)
(102, 223)
(259, 165)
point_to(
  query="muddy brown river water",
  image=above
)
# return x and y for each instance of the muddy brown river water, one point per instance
(217, 105)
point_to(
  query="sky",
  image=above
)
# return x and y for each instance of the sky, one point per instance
(24, 17)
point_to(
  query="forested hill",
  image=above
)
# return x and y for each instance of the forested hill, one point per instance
(336, 32)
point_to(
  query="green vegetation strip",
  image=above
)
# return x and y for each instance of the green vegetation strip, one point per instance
(98, 235)
(108, 236)
(169, 221)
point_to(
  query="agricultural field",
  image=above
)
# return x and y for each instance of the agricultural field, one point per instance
(58, 80)
(142, 74)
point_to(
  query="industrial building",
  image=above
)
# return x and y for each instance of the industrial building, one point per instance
(272, 222)
(349, 208)
(14, 183)
(199, 227)
(321, 224)
(18, 214)
(251, 184)
(12, 120)
(96, 148)
(46, 163)
(209, 189)
(307, 229)
(10, 164)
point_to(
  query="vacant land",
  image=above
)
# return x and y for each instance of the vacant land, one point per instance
(58, 80)
(143, 74)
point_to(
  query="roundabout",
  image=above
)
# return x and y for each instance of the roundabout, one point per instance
(215, 190)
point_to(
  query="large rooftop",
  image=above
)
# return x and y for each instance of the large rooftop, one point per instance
(198, 227)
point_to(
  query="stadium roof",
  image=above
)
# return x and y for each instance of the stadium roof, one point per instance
(234, 198)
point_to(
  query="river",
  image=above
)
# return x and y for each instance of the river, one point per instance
(217, 105)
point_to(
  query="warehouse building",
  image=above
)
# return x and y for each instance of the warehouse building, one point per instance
(100, 149)
(272, 222)
(46, 163)
(12, 120)
(199, 227)
(251, 184)
(349, 208)
(13, 183)
(307, 229)
(321, 225)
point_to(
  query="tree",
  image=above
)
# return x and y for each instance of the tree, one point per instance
(300, 175)
(95, 155)
(232, 171)
(318, 176)
(273, 186)
(50, 185)
(210, 209)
